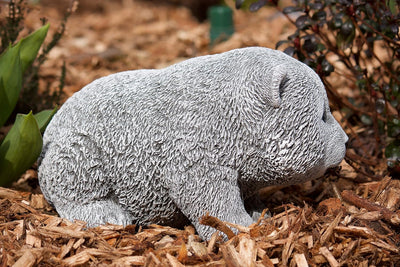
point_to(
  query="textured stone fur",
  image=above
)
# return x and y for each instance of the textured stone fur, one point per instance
(163, 146)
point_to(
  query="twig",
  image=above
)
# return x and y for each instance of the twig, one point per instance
(387, 214)
(217, 224)
(359, 170)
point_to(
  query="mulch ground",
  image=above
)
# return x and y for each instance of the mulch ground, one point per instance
(349, 217)
(358, 228)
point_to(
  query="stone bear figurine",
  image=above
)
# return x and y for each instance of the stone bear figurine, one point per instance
(166, 146)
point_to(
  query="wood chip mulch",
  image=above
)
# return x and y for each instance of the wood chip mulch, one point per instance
(360, 228)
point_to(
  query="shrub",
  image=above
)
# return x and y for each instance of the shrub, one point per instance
(363, 36)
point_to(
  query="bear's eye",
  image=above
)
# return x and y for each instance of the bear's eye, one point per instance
(324, 116)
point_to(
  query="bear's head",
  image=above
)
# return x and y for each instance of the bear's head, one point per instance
(299, 139)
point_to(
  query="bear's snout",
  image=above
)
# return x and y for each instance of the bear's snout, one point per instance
(336, 148)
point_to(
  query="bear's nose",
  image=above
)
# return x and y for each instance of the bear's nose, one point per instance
(344, 135)
(346, 138)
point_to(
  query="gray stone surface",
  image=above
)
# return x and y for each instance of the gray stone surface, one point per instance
(165, 146)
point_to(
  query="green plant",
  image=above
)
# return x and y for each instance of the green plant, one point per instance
(10, 28)
(23, 143)
(358, 40)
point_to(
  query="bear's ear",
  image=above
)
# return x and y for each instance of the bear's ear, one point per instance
(273, 93)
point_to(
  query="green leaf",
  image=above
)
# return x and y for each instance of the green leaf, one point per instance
(367, 120)
(319, 16)
(393, 127)
(20, 148)
(4, 104)
(291, 9)
(346, 34)
(392, 153)
(43, 118)
(257, 5)
(13, 62)
(244, 4)
(303, 22)
(10, 81)
(392, 6)
(30, 46)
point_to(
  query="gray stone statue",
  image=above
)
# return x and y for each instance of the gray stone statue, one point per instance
(166, 146)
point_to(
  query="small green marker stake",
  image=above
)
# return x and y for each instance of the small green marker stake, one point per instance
(221, 21)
